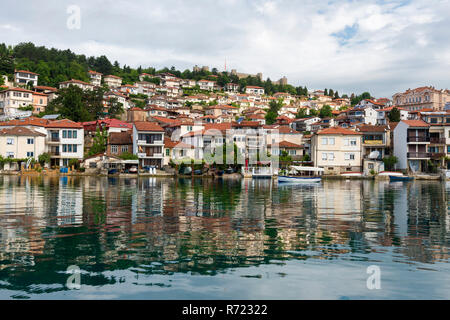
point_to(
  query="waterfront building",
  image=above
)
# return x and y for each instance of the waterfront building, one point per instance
(21, 143)
(411, 141)
(337, 150)
(13, 99)
(65, 141)
(148, 143)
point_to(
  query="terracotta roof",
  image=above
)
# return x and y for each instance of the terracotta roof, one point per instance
(46, 88)
(20, 131)
(65, 123)
(148, 126)
(112, 76)
(95, 72)
(370, 128)
(30, 121)
(120, 138)
(416, 123)
(77, 81)
(19, 89)
(24, 71)
(289, 145)
(338, 131)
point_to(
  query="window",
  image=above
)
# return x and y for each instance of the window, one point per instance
(30, 141)
(64, 134)
(92, 165)
(167, 152)
(124, 149)
(331, 141)
(74, 134)
(448, 149)
(10, 141)
(30, 154)
(371, 166)
(69, 134)
(75, 148)
(292, 152)
(324, 141)
(349, 156)
(64, 147)
(324, 156)
(433, 120)
(331, 157)
(69, 148)
(10, 155)
(114, 149)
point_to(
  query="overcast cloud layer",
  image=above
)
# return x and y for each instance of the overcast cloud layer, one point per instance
(352, 46)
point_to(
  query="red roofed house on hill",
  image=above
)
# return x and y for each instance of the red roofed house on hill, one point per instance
(23, 77)
(148, 143)
(337, 150)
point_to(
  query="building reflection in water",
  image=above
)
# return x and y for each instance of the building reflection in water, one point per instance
(208, 226)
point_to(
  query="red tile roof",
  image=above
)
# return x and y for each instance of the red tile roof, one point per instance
(148, 126)
(65, 123)
(20, 131)
(338, 131)
(416, 123)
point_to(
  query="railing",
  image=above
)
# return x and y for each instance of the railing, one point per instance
(437, 140)
(418, 139)
(55, 153)
(258, 171)
(419, 155)
(373, 142)
(54, 139)
(437, 155)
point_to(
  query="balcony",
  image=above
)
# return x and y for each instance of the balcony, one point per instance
(150, 142)
(437, 155)
(437, 140)
(53, 140)
(150, 155)
(419, 155)
(55, 153)
(373, 142)
(418, 139)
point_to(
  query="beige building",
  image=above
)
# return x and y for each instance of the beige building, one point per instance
(422, 98)
(113, 81)
(14, 98)
(40, 101)
(96, 78)
(78, 83)
(337, 150)
(21, 143)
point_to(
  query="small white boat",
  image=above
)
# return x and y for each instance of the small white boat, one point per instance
(302, 175)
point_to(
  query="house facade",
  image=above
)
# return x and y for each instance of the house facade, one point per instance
(148, 143)
(337, 150)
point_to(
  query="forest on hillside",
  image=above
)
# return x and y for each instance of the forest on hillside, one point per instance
(55, 66)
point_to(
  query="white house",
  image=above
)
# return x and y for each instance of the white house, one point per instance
(22, 78)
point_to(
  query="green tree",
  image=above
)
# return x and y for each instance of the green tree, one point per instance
(100, 141)
(325, 112)
(302, 113)
(70, 105)
(394, 115)
(44, 158)
(272, 114)
(115, 108)
(390, 162)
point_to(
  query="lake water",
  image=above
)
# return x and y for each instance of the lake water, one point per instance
(203, 239)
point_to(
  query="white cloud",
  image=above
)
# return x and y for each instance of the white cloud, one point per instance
(351, 46)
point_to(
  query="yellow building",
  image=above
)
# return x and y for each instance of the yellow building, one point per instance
(337, 150)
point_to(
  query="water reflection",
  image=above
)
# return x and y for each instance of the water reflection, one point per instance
(112, 227)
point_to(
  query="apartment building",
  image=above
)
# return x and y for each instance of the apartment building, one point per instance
(23, 78)
(148, 143)
(21, 143)
(112, 81)
(96, 78)
(411, 142)
(337, 150)
(40, 101)
(65, 141)
(254, 90)
(77, 83)
(14, 98)
(422, 98)
(375, 141)
(439, 146)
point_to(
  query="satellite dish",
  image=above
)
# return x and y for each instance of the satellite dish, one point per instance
(374, 155)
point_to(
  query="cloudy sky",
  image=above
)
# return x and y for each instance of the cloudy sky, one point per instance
(348, 45)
